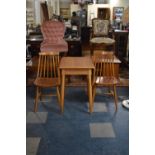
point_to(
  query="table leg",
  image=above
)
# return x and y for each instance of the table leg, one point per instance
(90, 93)
(62, 92)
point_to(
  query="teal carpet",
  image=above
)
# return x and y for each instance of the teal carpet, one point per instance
(76, 132)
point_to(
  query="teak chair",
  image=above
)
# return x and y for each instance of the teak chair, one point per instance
(47, 75)
(100, 35)
(104, 74)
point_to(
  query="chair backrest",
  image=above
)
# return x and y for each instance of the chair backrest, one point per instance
(104, 64)
(53, 31)
(48, 64)
(100, 27)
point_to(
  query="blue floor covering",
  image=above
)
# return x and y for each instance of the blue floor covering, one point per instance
(69, 133)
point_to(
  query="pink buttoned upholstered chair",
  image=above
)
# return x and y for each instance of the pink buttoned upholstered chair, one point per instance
(53, 37)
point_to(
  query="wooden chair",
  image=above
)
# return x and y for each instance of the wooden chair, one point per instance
(47, 75)
(99, 38)
(104, 74)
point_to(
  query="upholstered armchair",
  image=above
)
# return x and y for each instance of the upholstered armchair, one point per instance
(53, 37)
(99, 35)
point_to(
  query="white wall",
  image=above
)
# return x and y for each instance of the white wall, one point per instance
(74, 7)
(65, 3)
(119, 3)
(56, 6)
(37, 12)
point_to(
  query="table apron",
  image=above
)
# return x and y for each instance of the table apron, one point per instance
(76, 71)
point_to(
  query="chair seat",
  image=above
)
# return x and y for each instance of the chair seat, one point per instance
(100, 40)
(46, 82)
(60, 47)
(106, 80)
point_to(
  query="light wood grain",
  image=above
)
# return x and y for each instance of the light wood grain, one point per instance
(77, 66)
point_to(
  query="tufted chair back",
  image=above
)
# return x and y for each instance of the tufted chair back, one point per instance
(53, 31)
(53, 36)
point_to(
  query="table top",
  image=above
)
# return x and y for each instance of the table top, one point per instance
(76, 63)
(70, 62)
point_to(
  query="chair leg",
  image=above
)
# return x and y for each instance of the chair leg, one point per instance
(94, 92)
(58, 95)
(40, 94)
(109, 89)
(115, 97)
(36, 100)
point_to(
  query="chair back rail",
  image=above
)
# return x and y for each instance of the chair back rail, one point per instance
(47, 75)
(104, 64)
(104, 73)
(48, 64)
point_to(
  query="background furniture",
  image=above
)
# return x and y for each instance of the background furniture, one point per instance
(65, 12)
(104, 74)
(76, 66)
(53, 36)
(74, 47)
(47, 75)
(30, 12)
(44, 8)
(118, 13)
(121, 46)
(34, 42)
(99, 36)
(103, 13)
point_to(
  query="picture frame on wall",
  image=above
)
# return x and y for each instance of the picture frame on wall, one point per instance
(118, 13)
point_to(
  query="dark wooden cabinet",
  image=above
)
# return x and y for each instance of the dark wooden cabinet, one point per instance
(85, 34)
(74, 47)
(34, 42)
(121, 38)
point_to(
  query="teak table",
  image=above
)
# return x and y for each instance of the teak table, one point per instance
(77, 66)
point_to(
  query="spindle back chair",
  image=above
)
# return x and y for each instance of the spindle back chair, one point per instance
(104, 74)
(47, 75)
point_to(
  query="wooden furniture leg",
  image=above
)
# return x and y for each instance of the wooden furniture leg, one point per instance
(90, 92)
(94, 92)
(91, 49)
(115, 97)
(58, 95)
(62, 92)
(36, 100)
